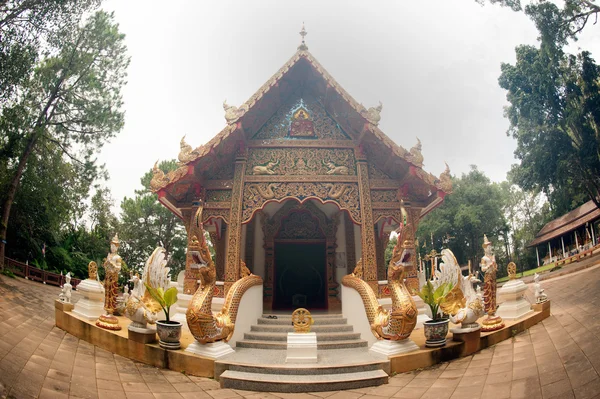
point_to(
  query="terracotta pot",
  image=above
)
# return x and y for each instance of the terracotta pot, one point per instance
(169, 333)
(435, 332)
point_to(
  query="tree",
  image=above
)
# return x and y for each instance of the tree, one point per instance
(25, 27)
(473, 209)
(146, 224)
(570, 20)
(527, 212)
(554, 115)
(72, 99)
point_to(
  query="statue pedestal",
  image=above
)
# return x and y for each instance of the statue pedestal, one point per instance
(389, 348)
(422, 315)
(514, 306)
(143, 335)
(213, 350)
(63, 306)
(301, 348)
(91, 306)
(471, 339)
(540, 307)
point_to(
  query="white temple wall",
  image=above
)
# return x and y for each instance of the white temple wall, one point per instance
(259, 250)
(243, 246)
(357, 242)
(340, 252)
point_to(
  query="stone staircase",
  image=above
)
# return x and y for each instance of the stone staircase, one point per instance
(332, 333)
(344, 361)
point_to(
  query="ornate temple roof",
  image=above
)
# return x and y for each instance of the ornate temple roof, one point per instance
(301, 72)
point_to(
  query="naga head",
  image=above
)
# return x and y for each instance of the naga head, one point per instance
(395, 272)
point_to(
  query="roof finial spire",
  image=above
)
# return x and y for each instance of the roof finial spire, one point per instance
(303, 33)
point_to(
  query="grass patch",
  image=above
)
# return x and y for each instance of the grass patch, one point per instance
(8, 273)
(529, 272)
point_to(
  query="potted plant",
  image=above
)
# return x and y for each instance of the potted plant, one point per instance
(169, 331)
(435, 329)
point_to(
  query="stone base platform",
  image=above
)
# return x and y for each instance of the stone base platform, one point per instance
(265, 370)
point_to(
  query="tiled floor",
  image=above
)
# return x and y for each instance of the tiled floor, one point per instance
(558, 358)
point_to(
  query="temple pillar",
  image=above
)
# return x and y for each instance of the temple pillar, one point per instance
(369, 253)
(413, 216)
(194, 235)
(234, 241)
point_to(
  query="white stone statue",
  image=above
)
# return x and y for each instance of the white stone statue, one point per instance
(141, 308)
(65, 295)
(473, 309)
(540, 296)
(463, 303)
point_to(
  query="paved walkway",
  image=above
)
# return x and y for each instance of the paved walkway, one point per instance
(558, 358)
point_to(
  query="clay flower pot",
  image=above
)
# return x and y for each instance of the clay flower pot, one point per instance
(435, 332)
(169, 333)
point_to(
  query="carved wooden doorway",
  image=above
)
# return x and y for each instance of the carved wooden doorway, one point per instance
(299, 258)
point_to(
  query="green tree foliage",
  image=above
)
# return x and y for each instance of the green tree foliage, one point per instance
(568, 21)
(72, 100)
(146, 224)
(554, 115)
(26, 29)
(527, 213)
(475, 208)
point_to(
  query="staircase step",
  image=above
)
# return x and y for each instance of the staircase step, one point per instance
(301, 383)
(288, 321)
(282, 345)
(314, 316)
(282, 336)
(309, 369)
(314, 328)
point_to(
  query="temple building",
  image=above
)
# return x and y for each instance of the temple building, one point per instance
(570, 236)
(301, 184)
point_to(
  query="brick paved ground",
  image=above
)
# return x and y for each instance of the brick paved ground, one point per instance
(559, 358)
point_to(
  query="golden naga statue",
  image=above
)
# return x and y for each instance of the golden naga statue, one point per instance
(445, 182)
(158, 178)
(233, 113)
(399, 323)
(205, 326)
(415, 157)
(372, 115)
(186, 153)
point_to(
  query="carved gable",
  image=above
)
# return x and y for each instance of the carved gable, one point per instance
(301, 117)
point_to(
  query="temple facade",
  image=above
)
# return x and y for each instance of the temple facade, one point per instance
(300, 185)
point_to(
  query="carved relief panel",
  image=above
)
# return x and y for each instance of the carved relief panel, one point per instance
(301, 161)
(344, 194)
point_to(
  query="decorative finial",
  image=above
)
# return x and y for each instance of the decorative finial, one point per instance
(303, 33)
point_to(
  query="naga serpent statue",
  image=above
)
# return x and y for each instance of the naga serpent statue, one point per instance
(205, 326)
(398, 323)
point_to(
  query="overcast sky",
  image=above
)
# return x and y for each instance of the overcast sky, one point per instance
(434, 65)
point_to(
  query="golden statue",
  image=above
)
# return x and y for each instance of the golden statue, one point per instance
(415, 157)
(488, 265)
(372, 115)
(186, 153)
(512, 270)
(445, 182)
(112, 267)
(158, 178)
(205, 326)
(92, 270)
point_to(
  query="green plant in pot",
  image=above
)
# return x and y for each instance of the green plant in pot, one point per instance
(169, 331)
(435, 329)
